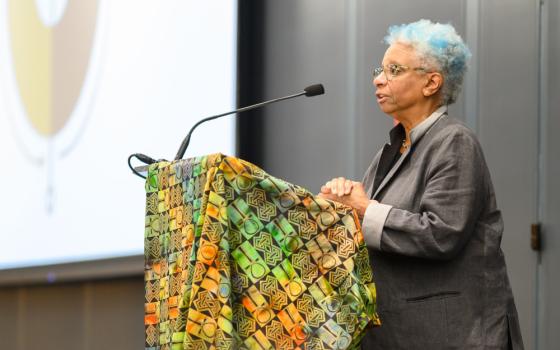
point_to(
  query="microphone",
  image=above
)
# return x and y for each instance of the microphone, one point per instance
(311, 90)
(314, 90)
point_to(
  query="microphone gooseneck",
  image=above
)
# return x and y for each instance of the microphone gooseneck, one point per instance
(311, 90)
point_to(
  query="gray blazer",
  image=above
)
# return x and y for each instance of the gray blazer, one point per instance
(440, 273)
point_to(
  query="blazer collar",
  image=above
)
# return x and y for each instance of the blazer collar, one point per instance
(397, 135)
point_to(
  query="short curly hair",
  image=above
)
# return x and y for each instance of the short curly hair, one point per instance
(440, 47)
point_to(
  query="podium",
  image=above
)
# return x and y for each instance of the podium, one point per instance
(238, 259)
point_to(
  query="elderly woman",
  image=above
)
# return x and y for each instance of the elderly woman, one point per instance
(428, 207)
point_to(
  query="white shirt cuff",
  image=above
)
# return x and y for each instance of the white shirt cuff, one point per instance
(373, 222)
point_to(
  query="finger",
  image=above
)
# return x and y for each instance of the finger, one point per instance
(333, 185)
(340, 187)
(325, 189)
(348, 186)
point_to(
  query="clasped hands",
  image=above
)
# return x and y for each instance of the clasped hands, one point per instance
(347, 192)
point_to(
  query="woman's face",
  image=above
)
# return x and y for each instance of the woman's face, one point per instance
(401, 92)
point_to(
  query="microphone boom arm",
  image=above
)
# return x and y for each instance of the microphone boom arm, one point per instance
(312, 90)
(186, 140)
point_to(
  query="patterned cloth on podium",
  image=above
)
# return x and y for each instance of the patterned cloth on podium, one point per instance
(238, 259)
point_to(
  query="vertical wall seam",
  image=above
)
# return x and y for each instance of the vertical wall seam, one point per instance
(542, 118)
(20, 323)
(87, 314)
(351, 81)
(472, 24)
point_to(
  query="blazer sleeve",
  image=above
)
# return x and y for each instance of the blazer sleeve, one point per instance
(450, 203)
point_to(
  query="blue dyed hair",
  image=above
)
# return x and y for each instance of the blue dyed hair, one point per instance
(440, 47)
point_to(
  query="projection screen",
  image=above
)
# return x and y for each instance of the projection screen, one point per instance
(86, 83)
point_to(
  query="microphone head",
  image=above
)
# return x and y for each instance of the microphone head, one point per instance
(314, 90)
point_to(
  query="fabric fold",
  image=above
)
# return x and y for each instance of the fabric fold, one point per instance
(236, 258)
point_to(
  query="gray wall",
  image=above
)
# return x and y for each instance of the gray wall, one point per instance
(507, 126)
(549, 184)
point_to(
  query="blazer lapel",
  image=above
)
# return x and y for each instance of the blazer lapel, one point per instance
(385, 168)
(386, 161)
(381, 168)
(391, 173)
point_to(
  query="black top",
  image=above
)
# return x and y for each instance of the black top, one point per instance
(390, 155)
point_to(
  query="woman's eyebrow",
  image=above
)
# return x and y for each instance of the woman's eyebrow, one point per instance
(391, 62)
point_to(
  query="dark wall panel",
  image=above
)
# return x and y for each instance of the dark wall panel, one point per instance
(75, 316)
(9, 320)
(115, 317)
(53, 317)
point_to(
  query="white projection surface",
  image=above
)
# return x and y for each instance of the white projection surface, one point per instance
(86, 83)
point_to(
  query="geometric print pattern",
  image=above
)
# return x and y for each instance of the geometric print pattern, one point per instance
(238, 259)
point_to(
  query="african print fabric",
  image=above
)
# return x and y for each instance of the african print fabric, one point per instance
(238, 259)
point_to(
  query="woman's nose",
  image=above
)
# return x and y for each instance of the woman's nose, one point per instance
(380, 79)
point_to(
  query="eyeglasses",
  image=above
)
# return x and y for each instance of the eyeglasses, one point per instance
(394, 70)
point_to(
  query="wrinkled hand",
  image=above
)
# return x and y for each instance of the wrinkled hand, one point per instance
(347, 192)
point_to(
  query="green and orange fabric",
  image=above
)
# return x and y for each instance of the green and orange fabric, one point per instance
(238, 259)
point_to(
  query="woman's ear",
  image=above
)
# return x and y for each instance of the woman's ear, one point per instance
(433, 84)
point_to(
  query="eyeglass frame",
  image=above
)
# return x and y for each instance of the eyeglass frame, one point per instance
(391, 76)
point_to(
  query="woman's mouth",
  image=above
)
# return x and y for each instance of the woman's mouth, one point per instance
(381, 98)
